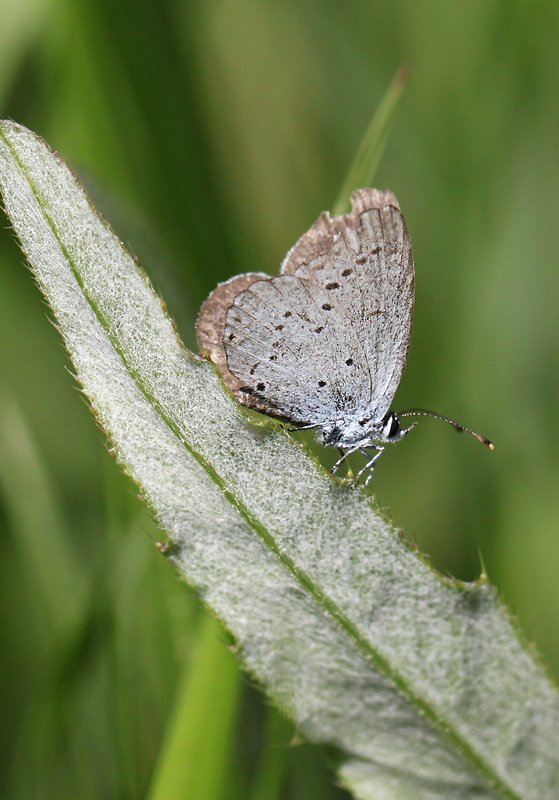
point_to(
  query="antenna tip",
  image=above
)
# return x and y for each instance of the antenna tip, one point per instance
(484, 440)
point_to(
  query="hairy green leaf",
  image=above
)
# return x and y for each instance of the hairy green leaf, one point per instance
(422, 685)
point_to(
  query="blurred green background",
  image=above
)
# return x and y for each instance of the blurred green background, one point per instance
(211, 134)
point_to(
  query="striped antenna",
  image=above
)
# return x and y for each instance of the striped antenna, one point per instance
(423, 412)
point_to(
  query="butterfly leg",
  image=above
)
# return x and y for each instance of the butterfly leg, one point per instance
(370, 465)
(343, 455)
(303, 428)
(369, 477)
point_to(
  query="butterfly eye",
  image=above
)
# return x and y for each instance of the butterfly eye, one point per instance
(391, 426)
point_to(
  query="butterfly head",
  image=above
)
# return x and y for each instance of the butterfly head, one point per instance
(366, 432)
(391, 429)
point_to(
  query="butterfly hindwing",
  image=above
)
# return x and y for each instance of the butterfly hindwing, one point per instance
(289, 344)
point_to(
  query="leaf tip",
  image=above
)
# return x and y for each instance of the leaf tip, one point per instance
(402, 76)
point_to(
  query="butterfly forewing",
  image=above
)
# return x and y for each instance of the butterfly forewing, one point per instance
(364, 261)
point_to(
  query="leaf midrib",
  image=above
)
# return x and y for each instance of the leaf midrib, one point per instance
(494, 782)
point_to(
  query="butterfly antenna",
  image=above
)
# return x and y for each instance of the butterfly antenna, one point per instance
(423, 412)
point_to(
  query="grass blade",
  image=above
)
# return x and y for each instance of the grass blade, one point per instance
(362, 170)
(193, 762)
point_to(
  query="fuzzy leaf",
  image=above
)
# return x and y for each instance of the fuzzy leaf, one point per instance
(422, 685)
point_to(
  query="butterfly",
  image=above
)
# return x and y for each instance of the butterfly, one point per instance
(323, 345)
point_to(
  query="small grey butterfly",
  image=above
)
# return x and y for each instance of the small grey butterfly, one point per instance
(324, 344)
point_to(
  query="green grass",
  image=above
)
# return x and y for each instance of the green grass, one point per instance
(212, 135)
